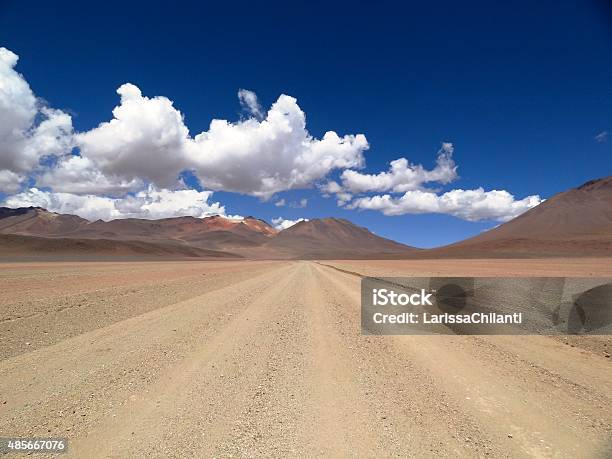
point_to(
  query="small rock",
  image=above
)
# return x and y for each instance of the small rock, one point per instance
(509, 435)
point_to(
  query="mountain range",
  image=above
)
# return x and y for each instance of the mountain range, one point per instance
(33, 230)
(577, 222)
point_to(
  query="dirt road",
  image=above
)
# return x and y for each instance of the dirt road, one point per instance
(266, 359)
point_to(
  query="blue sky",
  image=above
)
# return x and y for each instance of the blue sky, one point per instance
(520, 89)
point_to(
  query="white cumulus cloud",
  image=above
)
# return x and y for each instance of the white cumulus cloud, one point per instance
(10, 181)
(149, 204)
(343, 198)
(249, 102)
(330, 188)
(281, 223)
(261, 158)
(129, 166)
(29, 130)
(144, 140)
(75, 174)
(148, 140)
(470, 205)
(402, 176)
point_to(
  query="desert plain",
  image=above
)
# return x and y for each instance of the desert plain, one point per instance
(266, 358)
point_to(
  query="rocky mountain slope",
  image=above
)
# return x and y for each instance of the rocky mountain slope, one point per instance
(40, 231)
(577, 222)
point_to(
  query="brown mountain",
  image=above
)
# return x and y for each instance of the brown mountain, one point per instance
(211, 232)
(35, 230)
(35, 221)
(25, 247)
(43, 232)
(335, 238)
(577, 222)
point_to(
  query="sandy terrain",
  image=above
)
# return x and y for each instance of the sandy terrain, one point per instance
(566, 267)
(239, 358)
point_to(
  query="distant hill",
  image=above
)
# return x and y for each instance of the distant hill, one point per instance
(335, 238)
(577, 222)
(36, 221)
(41, 231)
(16, 246)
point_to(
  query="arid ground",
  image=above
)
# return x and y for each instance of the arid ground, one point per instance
(251, 358)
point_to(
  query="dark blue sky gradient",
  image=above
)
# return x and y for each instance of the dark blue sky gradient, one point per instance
(521, 87)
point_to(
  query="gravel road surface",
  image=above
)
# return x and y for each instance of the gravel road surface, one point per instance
(247, 359)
